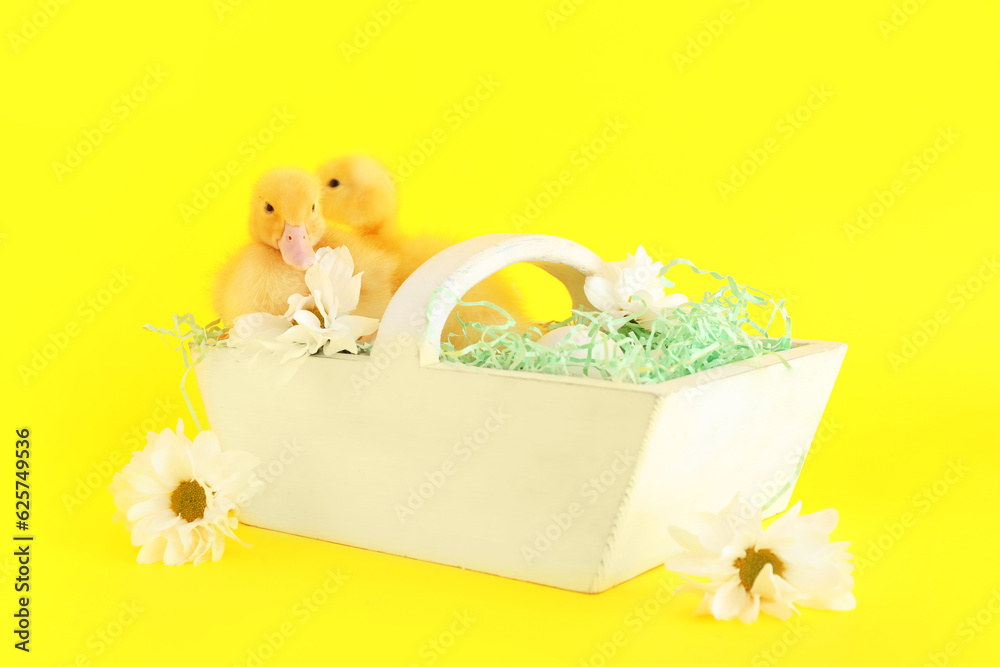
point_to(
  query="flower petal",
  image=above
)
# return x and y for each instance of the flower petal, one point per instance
(764, 585)
(151, 552)
(683, 538)
(730, 600)
(148, 507)
(751, 611)
(172, 464)
(779, 610)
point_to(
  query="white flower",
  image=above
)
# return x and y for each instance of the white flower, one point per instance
(258, 332)
(334, 291)
(328, 337)
(751, 570)
(265, 341)
(332, 284)
(632, 286)
(176, 496)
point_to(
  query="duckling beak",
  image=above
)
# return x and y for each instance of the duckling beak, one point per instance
(295, 247)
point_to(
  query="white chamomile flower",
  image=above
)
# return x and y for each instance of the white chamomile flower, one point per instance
(632, 286)
(752, 570)
(177, 497)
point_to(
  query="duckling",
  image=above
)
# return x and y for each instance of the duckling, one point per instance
(285, 227)
(358, 192)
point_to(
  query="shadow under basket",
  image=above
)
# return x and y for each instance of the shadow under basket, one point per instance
(565, 481)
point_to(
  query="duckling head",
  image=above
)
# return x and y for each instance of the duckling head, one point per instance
(357, 191)
(284, 215)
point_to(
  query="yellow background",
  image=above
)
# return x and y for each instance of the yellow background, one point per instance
(891, 430)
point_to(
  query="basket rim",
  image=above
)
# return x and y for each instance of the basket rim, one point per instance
(800, 348)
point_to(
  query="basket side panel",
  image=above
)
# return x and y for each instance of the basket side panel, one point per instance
(505, 475)
(746, 433)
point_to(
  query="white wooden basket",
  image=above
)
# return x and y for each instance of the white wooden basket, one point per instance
(565, 481)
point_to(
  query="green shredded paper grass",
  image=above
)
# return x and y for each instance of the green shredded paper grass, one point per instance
(730, 324)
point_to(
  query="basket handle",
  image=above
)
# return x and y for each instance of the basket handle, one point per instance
(448, 275)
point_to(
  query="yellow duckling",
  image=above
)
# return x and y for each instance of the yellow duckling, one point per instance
(358, 192)
(285, 227)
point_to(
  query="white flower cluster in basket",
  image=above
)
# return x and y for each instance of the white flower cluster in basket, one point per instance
(319, 322)
(632, 286)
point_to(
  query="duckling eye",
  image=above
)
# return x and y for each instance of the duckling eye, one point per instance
(333, 183)
(268, 207)
(314, 208)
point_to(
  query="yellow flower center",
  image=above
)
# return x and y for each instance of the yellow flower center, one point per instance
(753, 562)
(188, 501)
